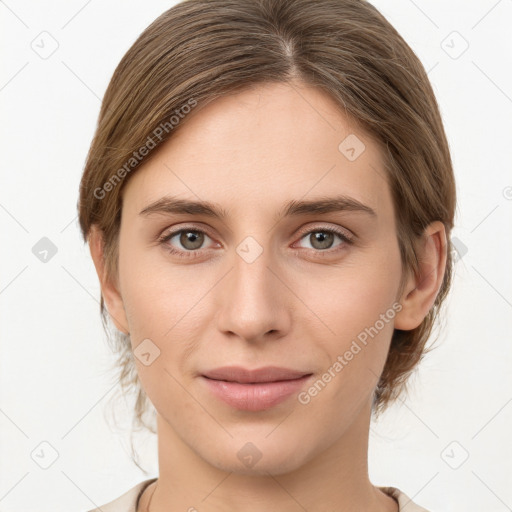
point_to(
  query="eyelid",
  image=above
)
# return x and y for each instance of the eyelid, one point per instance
(174, 230)
(343, 232)
(340, 231)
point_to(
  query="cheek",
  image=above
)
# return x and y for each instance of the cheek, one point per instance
(353, 297)
(154, 297)
(357, 307)
(360, 315)
(165, 304)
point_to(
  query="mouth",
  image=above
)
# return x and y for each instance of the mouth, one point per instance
(254, 390)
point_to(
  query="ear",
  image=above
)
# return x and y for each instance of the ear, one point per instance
(421, 290)
(109, 289)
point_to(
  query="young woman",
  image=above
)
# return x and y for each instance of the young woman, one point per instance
(268, 200)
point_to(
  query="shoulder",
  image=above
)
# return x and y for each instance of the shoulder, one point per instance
(404, 502)
(127, 502)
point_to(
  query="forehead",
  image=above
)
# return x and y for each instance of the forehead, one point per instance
(264, 145)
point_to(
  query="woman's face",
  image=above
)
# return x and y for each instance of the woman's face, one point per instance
(265, 282)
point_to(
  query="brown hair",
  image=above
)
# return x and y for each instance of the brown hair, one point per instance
(200, 50)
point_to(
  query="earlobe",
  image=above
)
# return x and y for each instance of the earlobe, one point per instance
(421, 290)
(109, 291)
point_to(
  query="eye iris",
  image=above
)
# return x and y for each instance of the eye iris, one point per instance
(325, 239)
(193, 237)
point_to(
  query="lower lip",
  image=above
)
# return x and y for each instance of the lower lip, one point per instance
(255, 397)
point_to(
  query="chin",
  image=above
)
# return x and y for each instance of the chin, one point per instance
(258, 456)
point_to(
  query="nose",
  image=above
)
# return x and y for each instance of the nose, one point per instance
(254, 304)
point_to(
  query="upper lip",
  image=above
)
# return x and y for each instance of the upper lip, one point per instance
(245, 376)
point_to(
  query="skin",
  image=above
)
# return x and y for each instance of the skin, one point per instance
(250, 153)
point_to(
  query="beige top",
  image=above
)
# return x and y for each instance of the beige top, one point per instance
(128, 501)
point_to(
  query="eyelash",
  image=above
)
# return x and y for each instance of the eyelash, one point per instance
(192, 254)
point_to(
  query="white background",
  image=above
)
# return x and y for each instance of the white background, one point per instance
(55, 381)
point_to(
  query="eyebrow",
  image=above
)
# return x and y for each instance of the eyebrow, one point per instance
(173, 205)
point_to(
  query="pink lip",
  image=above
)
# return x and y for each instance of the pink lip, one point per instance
(254, 390)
